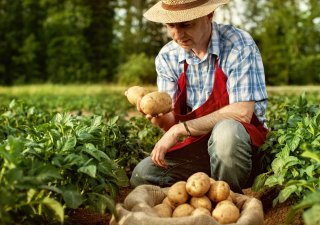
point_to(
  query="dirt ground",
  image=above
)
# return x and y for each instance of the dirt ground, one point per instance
(273, 215)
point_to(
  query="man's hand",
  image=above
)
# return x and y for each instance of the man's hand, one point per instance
(168, 140)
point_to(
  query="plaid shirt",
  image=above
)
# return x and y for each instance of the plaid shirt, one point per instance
(239, 58)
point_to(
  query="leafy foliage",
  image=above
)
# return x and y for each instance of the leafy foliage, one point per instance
(138, 69)
(53, 162)
(293, 147)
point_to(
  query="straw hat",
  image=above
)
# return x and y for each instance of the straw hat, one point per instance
(176, 11)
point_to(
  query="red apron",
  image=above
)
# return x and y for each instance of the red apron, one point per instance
(218, 98)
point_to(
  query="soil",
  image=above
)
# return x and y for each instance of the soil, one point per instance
(273, 215)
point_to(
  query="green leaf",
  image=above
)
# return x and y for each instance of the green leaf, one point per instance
(90, 149)
(47, 172)
(102, 202)
(122, 178)
(66, 143)
(113, 121)
(72, 198)
(311, 155)
(307, 202)
(56, 207)
(259, 182)
(90, 170)
(294, 143)
(312, 215)
(286, 193)
(278, 165)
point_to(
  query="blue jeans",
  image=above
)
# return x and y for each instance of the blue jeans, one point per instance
(227, 157)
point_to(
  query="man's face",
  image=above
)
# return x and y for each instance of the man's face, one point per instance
(190, 34)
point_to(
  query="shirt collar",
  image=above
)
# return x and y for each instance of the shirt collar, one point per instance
(213, 47)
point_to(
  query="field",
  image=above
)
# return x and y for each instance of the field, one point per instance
(66, 150)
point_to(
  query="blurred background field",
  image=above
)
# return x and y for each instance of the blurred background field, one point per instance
(98, 41)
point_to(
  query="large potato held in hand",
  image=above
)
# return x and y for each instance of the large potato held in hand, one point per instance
(134, 93)
(226, 213)
(198, 184)
(219, 191)
(155, 103)
(177, 193)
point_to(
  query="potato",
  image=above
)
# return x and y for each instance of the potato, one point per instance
(134, 93)
(198, 184)
(167, 201)
(177, 193)
(203, 202)
(163, 210)
(219, 191)
(226, 213)
(156, 102)
(200, 211)
(183, 210)
(224, 202)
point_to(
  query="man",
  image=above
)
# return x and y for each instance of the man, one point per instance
(214, 74)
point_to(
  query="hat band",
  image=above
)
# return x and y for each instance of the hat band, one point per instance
(184, 6)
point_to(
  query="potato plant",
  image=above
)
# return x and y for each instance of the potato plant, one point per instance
(53, 162)
(292, 150)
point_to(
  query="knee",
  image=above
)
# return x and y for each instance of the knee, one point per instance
(226, 136)
(144, 173)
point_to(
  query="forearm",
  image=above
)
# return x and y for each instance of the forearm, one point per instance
(237, 111)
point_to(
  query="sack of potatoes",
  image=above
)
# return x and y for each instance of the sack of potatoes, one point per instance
(152, 103)
(199, 200)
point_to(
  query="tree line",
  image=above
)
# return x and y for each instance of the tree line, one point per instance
(89, 41)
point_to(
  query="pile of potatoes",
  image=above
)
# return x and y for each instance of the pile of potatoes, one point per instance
(152, 103)
(200, 194)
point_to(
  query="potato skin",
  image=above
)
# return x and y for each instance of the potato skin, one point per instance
(155, 103)
(198, 184)
(226, 213)
(167, 201)
(219, 191)
(177, 193)
(183, 210)
(163, 210)
(134, 93)
(201, 202)
(200, 211)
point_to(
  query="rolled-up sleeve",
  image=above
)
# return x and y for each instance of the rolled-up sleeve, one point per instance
(246, 79)
(167, 78)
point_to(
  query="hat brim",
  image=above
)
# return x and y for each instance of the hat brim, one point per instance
(157, 14)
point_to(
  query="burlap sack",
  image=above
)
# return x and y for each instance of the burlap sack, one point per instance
(137, 210)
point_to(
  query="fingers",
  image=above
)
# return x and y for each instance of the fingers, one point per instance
(158, 158)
